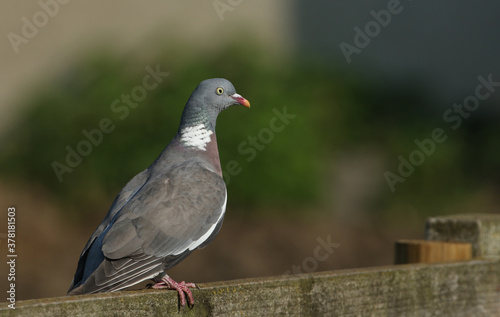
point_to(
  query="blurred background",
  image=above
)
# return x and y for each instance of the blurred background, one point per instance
(340, 93)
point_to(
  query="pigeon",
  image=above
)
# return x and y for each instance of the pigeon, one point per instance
(167, 211)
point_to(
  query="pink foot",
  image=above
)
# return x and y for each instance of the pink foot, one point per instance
(182, 289)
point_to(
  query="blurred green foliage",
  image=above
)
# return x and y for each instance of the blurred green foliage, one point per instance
(335, 111)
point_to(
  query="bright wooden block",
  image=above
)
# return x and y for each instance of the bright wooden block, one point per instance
(424, 251)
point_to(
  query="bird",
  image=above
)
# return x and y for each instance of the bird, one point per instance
(167, 211)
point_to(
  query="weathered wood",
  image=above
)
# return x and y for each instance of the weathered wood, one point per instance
(453, 289)
(481, 230)
(423, 251)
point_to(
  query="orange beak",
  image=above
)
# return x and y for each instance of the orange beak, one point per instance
(242, 101)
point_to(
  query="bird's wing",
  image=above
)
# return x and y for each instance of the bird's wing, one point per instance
(132, 187)
(170, 216)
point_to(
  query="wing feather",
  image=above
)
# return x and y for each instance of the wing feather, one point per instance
(157, 226)
(132, 187)
(170, 214)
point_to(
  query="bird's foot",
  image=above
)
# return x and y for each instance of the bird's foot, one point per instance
(182, 289)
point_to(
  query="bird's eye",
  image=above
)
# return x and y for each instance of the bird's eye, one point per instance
(219, 91)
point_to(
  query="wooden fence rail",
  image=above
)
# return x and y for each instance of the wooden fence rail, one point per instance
(467, 288)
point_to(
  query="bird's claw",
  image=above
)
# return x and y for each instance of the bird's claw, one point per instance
(182, 289)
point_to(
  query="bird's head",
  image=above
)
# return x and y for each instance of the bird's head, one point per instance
(208, 100)
(218, 94)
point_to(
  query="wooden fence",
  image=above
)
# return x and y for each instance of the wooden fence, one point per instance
(463, 288)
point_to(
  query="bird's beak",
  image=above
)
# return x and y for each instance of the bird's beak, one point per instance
(239, 99)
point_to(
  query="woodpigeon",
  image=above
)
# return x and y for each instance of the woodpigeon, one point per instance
(168, 210)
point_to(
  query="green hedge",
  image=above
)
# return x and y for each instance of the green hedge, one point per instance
(334, 111)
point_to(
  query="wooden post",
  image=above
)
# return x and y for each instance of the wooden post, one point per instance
(453, 238)
(422, 251)
(481, 230)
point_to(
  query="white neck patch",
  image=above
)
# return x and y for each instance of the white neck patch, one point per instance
(197, 136)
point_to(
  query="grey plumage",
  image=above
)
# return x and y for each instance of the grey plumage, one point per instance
(167, 211)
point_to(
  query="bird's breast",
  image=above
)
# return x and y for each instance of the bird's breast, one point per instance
(212, 154)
